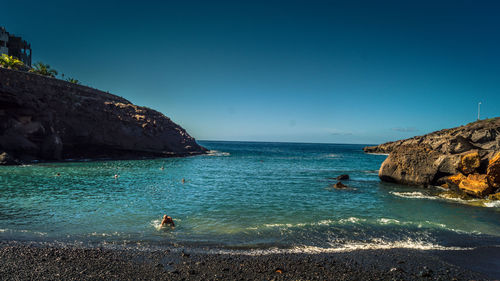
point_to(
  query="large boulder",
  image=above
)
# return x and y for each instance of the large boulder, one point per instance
(476, 185)
(416, 165)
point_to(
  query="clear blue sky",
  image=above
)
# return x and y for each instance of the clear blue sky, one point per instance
(303, 71)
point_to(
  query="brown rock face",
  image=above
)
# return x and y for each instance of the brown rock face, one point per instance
(476, 185)
(431, 159)
(470, 162)
(493, 171)
(44, 118)
(416, 165)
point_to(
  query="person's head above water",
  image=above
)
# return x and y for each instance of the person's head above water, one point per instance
(167, 220)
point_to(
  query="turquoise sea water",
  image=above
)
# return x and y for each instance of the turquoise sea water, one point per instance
(243, 196)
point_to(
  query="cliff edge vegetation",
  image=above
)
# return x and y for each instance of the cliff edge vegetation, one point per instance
(47, 119)
(465, 159)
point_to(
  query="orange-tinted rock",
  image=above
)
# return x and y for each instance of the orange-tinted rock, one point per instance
(456, 179)
(495, 196)
(340, 185)
(470, 162)
(445, 185)
(493, 171)
(476, 185)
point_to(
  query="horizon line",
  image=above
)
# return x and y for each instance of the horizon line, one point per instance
(294, 142)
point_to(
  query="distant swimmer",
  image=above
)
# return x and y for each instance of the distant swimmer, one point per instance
(167, 220)
(183, 180)
(162, 168)
(58, 174)
(116, 176)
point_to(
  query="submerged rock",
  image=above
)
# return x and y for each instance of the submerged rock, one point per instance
(43, 118)
(343, 177)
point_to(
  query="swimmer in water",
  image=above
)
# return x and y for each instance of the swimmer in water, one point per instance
(183, 180)
(116, 176)
(162, 168)
(58, 174)
(167, 220)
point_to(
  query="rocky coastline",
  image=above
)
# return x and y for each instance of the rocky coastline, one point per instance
(47, 119)
(464, 160)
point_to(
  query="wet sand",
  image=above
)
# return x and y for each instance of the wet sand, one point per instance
(31, 261)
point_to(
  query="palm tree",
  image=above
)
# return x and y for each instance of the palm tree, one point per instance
(44, 69)
(10, 62)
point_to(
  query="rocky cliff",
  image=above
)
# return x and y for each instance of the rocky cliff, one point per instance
(466, 158)
(43, 118)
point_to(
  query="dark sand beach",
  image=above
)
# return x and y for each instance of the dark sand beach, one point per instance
(32, 261)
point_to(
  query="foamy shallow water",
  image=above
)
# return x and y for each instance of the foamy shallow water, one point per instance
(252, 197)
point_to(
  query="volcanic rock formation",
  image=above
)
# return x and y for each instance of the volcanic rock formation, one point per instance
(466, 158)
(47, 119)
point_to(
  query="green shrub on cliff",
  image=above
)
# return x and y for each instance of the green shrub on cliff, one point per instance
(43, 69)
(73, 80)
(10, 62)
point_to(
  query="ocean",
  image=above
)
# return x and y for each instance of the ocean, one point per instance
(243, 197)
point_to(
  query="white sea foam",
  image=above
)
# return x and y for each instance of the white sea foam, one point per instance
(351, 220)
(322, 222)
(39, 233)
(217, 153)
(374, 244)
(492, 204)
(388, 221)
(445, 197)
(332, 155)
(413, 195)
(104, 234)
(156, 224)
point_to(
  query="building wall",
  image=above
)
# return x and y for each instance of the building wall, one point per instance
(20, 49)
(15, 46)
(4, 38)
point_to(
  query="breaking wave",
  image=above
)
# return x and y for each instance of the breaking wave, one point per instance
(444, 197)
(374, 244)
(217, 153)
(413, 195)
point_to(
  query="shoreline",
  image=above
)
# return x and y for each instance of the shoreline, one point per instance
(102, 159)
(35, 261)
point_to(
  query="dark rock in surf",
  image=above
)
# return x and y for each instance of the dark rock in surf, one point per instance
(340, 185)
(343, 177)
(6, 159)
